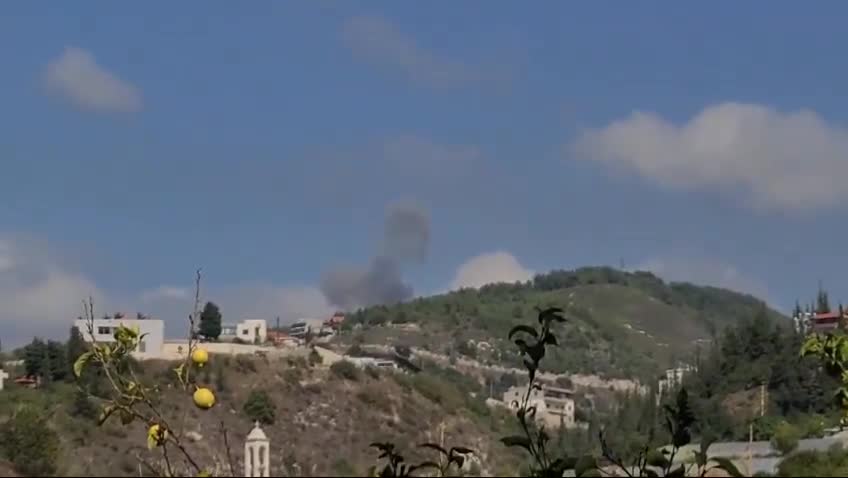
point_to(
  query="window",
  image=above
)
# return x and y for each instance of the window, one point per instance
(245, 332)
(142, 347)
(103, 330)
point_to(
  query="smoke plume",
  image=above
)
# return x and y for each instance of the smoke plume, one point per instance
(406, 239)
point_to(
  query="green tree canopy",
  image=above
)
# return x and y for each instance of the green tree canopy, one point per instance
(210, 322)
(260, 408)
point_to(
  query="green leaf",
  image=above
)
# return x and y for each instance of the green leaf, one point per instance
(462, 450)
(523, 328)
(727, 466)
(79, 364)
(516, 440)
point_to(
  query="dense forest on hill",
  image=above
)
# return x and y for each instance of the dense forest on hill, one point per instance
(623, 324)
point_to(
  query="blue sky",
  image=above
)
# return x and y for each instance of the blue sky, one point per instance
(266, 141)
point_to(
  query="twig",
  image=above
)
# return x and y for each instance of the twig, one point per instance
(227, 447)
(167, 460)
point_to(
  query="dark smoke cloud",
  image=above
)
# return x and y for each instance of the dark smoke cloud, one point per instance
(380, 283)
(406, 239)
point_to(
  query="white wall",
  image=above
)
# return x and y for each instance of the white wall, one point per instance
(149, 347)
(252, 331)
(176, 349)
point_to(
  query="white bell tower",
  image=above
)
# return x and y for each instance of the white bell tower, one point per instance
(257, 453)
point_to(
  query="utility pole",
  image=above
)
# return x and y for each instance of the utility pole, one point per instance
(750, 447)
(278, 323)
(762, 399)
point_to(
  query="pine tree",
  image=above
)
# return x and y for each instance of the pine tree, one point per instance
(56, 364)
(210, 321)
(35, 355)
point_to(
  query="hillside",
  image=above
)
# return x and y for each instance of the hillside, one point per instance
(315, 410)
(624, 324)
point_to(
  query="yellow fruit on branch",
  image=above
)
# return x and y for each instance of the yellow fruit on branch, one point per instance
(156, 436)
(199, 357)
(204, 398)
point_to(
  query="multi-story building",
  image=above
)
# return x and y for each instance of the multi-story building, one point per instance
(820, 322)
(554, 406)
(249, 331)
(104, 329)
(673, 378)
(304, 327)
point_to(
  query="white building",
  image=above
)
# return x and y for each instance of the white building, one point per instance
(252, 331)
(104, 329)
(302, 327)
(257, 453)
(673, 378)
(247, 331)
(554, 406)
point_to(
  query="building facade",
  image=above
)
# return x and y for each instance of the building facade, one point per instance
(249, 331)
(104, 329)
(303, 327)
(252, 331)
(810, 323)
(554, 406)
(673, 378)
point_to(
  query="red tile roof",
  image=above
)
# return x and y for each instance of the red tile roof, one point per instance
(826, 316)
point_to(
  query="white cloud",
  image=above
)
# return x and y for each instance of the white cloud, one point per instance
(377, 39)
(78, 78)
(706, 271)
(38, 296)
(490, 268)
(779, 160)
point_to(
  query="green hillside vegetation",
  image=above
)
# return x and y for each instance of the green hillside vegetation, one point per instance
(302, 407)
(623, 324)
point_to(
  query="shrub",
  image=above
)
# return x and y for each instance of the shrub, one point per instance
(373, 372)
(259, 407)
(29, 443)
(786, 437)
(82, 406)
(346, 370)
(315, 358)
(293, 375)
(375, 398)
(245, 363)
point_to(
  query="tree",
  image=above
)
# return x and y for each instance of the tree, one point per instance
(259, 407)
(56, 365)
(786, 437)
(29, 443)
(822, 302)
(82, 406)
(210, 321)
(35, 358)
